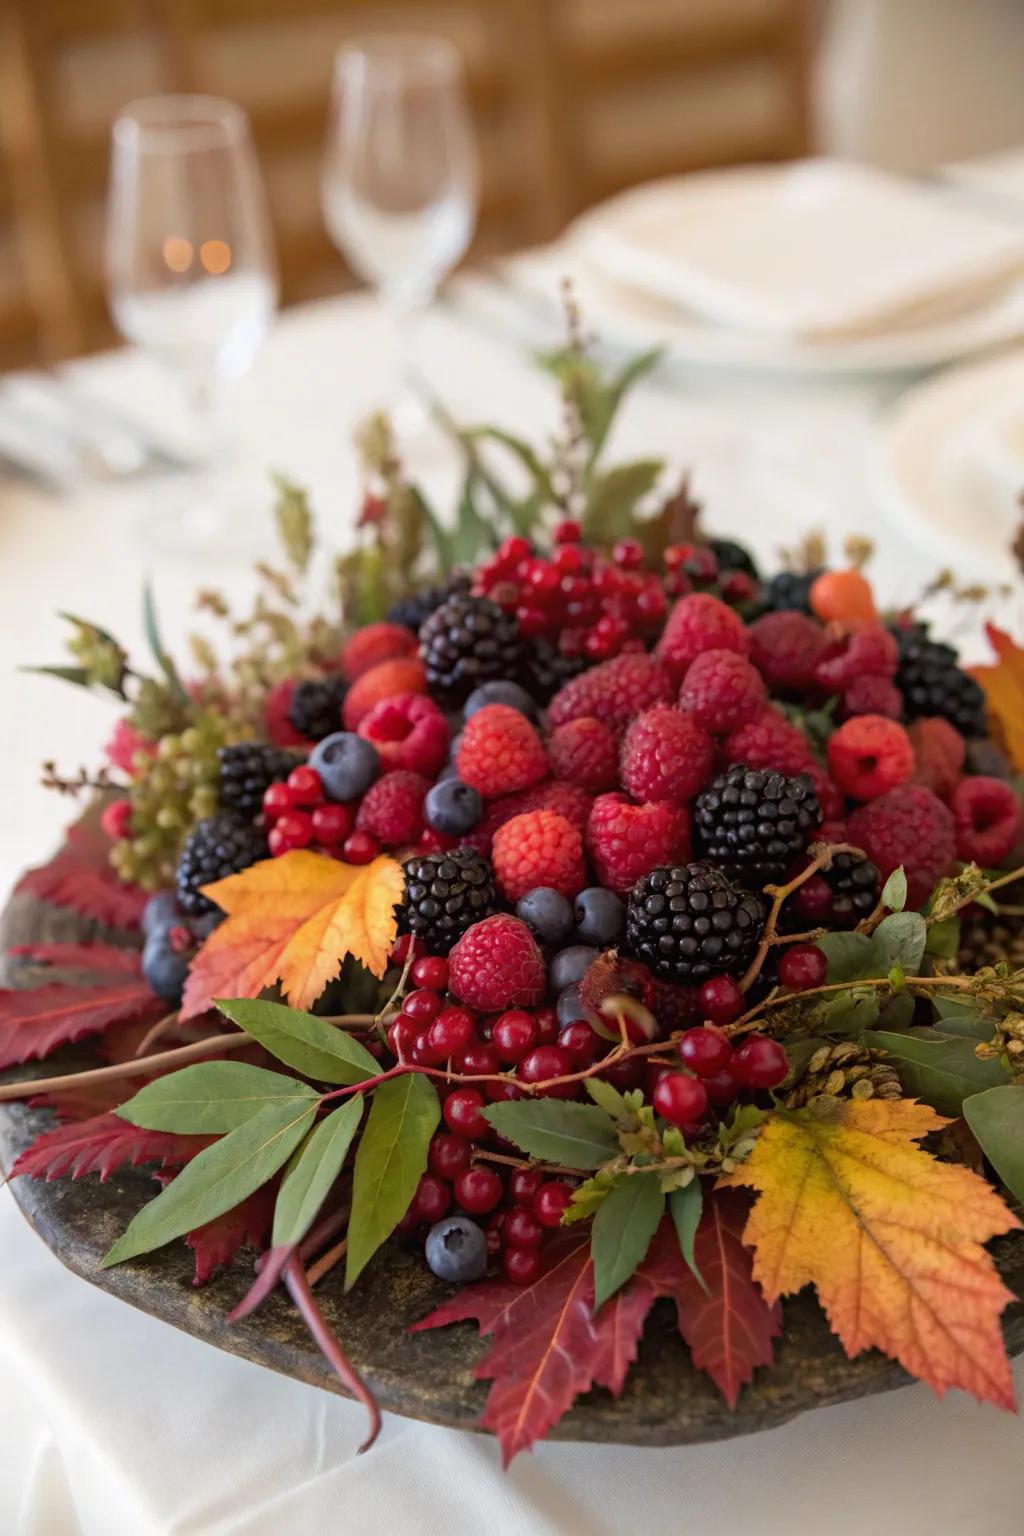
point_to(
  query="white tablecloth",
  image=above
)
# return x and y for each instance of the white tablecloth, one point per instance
(111, 1422)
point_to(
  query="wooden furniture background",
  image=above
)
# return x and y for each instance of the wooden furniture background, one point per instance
(573, 99)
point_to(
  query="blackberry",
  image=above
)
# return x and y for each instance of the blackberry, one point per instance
(414, 610)
(315, 709)
(789, 589)
(545, 669)
(466, 642)
(752, 822)
(932, 683)
(224, 845)
(855, 884)
(688, 922)
(733, 557)
(445, 893)
(246, 773)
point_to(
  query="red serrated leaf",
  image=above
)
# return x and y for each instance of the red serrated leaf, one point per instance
(87, 1099)
(730, 1327)
(102, 1145)
(217, 1242)
(79, 876)
(101, 958)
(36, 1021)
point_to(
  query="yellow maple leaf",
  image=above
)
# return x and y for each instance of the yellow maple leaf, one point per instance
(293, 920)
(890, 1238)
(1004, 693)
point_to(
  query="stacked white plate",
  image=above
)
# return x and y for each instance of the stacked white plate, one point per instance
(820, 266)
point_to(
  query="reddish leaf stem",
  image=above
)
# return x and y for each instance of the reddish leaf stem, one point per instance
(298, 1285)
(137, 1067)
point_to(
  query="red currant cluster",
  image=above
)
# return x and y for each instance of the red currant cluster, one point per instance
(695, 568)
(300, 815)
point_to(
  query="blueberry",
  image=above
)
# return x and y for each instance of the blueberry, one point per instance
(453, 750)
(346, 763)
(449, 771)
(453, 807)
(500, 692)
(570, 1006)
(165, 967)
(202, 927)
(457, 1250)
(160, 911)
(571, 965)
(547, 912)
(600, 916)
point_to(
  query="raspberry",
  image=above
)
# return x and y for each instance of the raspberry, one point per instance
(539, 848)
(870, 652)
(910, 826)
(613, 692)
(409, 731)
(626, 841)
(722, 691)
(843, 595)
(787, 648)
(500, 752)
(870, 695)
(769, 741)
(125, 742)
(586, 752)
(392, 808)
(939, 750)
(986, 815)
(869, 755)
(497, 965)
(830, 798)
(402, 674)
(569, 800)
(375, 643)
(698, 623)
(666, 755)
(116, 820)
(279, 729)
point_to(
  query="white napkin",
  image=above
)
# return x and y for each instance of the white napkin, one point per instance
(822, 249)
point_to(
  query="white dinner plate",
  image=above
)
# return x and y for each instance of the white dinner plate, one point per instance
(951, 463)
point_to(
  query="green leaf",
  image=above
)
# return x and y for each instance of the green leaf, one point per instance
(77, 675)
(527, 456)
(943, 1072)
(308, 1044)
(212, 1097)
(152, 629)
(621, 1235)
(440, 535)
(943, 941)
(312, 1171)
(613, 497)
(847, 1013)
(900, 940)
(218, 1179)
(896, 1012)
(557, 1130)
(685, 1206)
(851, 956)
(609, 396)
(894, 891)
(473, 533)
(391, 1159)
(607, 1098)
(997, 1119)
(960, 1018)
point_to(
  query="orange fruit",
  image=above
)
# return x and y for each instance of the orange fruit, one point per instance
(843, 597)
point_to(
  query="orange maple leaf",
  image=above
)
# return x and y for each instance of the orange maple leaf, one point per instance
(1004, 693)
(890, 1238)
(293, 920)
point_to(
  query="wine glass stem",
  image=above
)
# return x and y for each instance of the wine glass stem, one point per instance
(408, 411)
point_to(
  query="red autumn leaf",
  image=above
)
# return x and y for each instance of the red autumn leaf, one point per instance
(102, 1145)
(217, 1242)
(36, 1021)
(79, 876)
(87, 1099)
(81, 957)
(730, 1327)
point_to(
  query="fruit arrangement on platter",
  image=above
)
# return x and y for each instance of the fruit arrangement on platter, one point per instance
(596, 917)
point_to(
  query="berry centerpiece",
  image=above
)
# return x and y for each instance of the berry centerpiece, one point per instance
(574, 917)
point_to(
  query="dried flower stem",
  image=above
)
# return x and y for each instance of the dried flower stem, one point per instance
(326, 1262)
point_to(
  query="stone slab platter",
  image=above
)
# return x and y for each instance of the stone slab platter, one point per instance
(429, 1375)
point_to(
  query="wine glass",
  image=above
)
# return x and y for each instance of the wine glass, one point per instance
(400, 179)
(190, 270)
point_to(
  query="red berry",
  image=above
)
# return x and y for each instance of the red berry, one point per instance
(760, 1063)
(814, 900)
(580, 1042)
(803, 966)
(478, 1190)
(116, 819)
(568, 531)
(522, 1229)
(521, 1265)
(705, 1050)
(448, 1156)
(494, 1231)
(546, 1020)
(462, 1114)
(524, 1184)
(550, 1201)
(625, 1074)
(629, 553)
(360, 848)
(402, 1035)
(294, 830)
(514, 1035)
(430, 971)
(451, 1032)
(506, 1089)
(721, 999)
(277, 800)
(478, 1061)
(305, 785)
(722, 1089)
(331, 823)
(548, 1061)
(422, 1005)
(680, 1099)
(401, 947)
(432, 1198)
